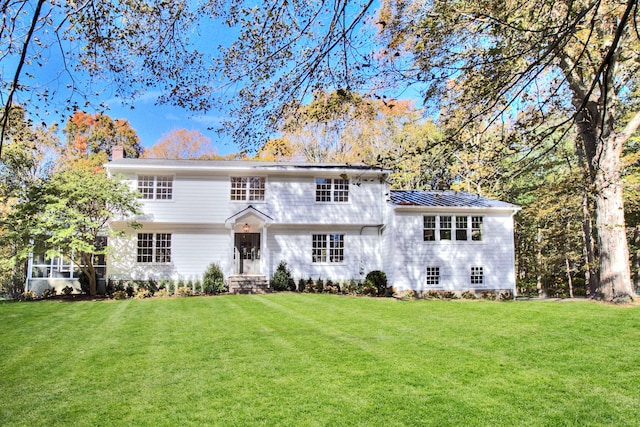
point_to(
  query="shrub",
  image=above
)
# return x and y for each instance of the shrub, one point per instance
(352, 287)
(369, 289)
(310, 286)
(282, 280)
(378, 279)
(301, 285)
(331, 288)
(213, 280)
(142, 293)
(506, 296)
(162, 293)
(29, 295)
(197, 286)
(171, 287)
(84, 282)
(319, 285)
(449, 295)
(119, 295)
(67, 290)
(488, 295)
(184, 291)
(468, 295)
(406, 295)
(190, 285)
(48, 293)
(129, 289)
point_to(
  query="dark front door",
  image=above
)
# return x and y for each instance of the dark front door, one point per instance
(246, 254)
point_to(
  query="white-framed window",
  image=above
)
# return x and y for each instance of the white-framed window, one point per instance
(154, 248)
(327, 248)
(476, 228)
(332, 190)
(462, 223)
(59, 265)
(429, 228)
(247, 188)
(433, 276)
(477, 275)
(445, 227)
(448, 227)
(158, 187)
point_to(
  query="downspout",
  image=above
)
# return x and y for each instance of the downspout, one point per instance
(513, 254)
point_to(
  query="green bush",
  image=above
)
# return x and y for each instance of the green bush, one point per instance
(488, 295)
(171, 287)
(48, 293)
(449, 295)
(468, 295)
(301, 285)
(197, 286)
(119, 295)
(506, 296)
(67, 290)
(352, 287)
(282, 280)
(213, 280)
(29, 295)
(378, 279)
(369, 288)
(184, 291)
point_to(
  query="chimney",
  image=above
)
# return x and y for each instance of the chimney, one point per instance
(117, 152)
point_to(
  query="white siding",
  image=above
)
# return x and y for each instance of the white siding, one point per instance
(494, 254)
(191, 251)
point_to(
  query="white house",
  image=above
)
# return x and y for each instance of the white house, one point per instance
(334, 221)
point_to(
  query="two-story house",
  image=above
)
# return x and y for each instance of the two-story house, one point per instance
(334, 221)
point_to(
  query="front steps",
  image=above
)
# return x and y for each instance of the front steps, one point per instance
(245, 284)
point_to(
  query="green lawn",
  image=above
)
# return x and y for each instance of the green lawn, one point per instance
(300, 359)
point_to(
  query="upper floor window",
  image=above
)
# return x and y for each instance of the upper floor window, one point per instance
(247, 188)
(332, 190)
(155, 187)
(449, 227)
(154, 247)
(327, 248)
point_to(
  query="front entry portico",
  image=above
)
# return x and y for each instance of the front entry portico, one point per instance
(248, 229)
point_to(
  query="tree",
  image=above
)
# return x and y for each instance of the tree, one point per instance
(76, 205)
(181, 144)
(91, 134)
(27, 161)
(579, 58)
(131, 45)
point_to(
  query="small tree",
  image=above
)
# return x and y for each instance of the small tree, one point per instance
(75, 208)
(213, 280)
(378, 279)
(282, 279)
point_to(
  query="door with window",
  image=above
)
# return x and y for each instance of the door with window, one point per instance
(246, 254)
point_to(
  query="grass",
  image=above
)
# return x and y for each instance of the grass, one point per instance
(292, 359)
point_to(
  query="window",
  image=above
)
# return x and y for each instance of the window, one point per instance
(429, 229)
(476, 228)
(461, 228)
(327, 248)
(155, 187)
(477, 276)
(332, 190)
(247, 188)
(154, 247)
(433, 276)
(62, 266)
(445, 228)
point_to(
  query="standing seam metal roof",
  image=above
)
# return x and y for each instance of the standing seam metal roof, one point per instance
(445, 199)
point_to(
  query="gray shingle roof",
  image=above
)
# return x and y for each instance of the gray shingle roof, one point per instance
(445, 199)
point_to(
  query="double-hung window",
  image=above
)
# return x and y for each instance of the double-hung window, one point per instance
(332, 190)
(154, 248)
(448, 227)
(327, 248)
(158, 187)
(247, 188)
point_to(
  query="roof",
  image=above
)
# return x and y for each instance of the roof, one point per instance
(128, 163)
(450, 199)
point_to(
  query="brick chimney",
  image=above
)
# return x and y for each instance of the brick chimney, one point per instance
(117, 152)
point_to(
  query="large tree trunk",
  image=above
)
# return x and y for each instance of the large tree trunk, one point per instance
(614, 281)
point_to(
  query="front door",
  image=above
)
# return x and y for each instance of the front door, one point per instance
(246, 254)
